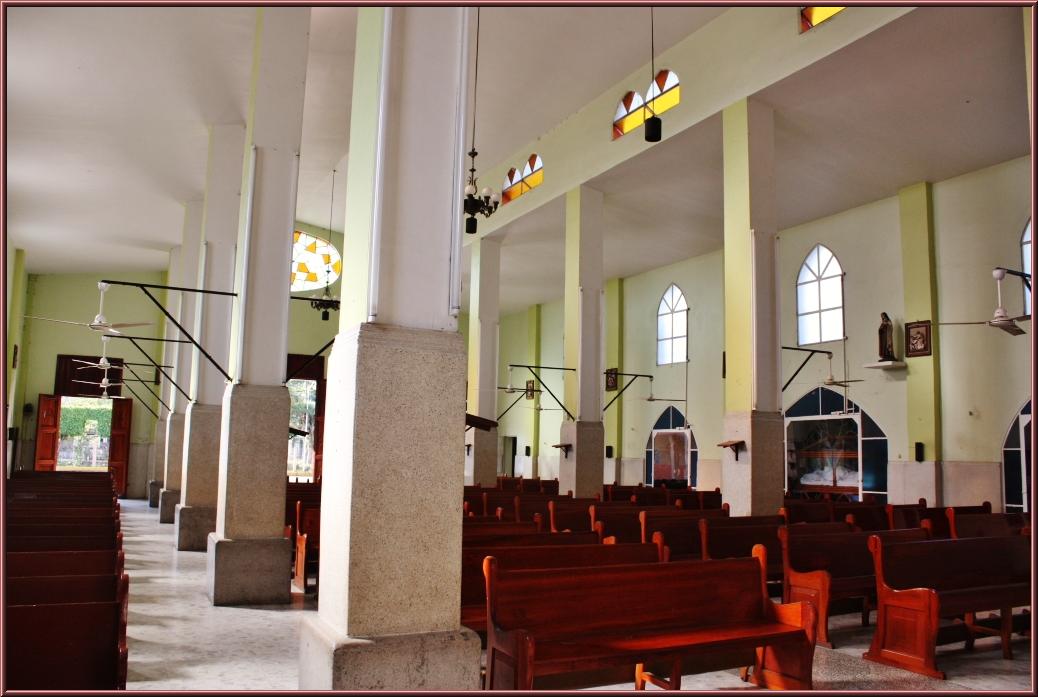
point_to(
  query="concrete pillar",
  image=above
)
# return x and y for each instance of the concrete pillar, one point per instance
(614, 358)
(923, 376)
(195, 515)
(389, 609)
(248, 557)
(187, 275)
(485, 280)
(753, 476)
(580, 464)
(157, 461)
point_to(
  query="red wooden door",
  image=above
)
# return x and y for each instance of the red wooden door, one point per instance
(48, 436)
(119, 444)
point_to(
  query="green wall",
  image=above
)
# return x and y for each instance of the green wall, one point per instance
(74, 297)
(307, 332)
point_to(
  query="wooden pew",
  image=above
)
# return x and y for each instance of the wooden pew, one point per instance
(530, 539)
(919, 582)
(72, 528)
(68, 646)
(473, 585)
(617, 492)
(904, 515)
(795, 511)
(575, 514)
(980, 524)
(823, 569)
(820, 528)
(19, 564)
(553, 621)
(936, 518)
(624, 523)
(471, 533)
(49, 589)
(55, 515)
(308, 547)
(651, 496)
(550, 487)
(866, 516)
(733, 541)
(711, 499)
(63, 543)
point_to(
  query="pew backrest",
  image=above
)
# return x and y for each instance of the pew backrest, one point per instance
(979, 524)
(64, 563)
(49, 590)
(840, 554)
(952, 564)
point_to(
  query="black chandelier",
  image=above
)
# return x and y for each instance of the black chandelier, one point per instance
(326, 302)
(653, 124)
(488, 200)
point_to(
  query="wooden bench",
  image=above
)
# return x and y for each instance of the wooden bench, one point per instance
(63, 543)
(553, 621)
(680, 537)
(72, 528)
(64, 563)
(471, 532)
(49, 589)
(532, 539)
(823, 569)
(864, 516)
(733, 541)
(68, 646)
(936, 518)
(574, 514)
(904, 515)
(308, 547)
(981, 524)
(473, 585)
(625, 524)
(918, 583)
(60, 514)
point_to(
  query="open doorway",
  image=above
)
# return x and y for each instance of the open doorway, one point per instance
(85, 434)
(306, 417)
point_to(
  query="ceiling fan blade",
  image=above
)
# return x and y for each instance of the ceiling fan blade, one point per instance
(87, 382)
(1009, 328)
(61, 321)
(946, 323)
(1021, 318)
(125, 325)
(106, 330)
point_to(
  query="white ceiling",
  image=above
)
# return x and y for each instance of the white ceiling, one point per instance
(107, 111)
(853, 128)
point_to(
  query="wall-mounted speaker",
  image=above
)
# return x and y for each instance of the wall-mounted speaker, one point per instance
(528, 451)
(609, 451)
(919, 452)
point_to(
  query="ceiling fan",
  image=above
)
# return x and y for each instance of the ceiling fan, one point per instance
(831, 381)
(100, 323)
(103, 362)
(1001, 318)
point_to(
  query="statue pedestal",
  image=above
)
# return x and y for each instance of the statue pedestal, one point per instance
(887, 365)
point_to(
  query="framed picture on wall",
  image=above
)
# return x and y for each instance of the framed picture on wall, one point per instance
(917, 339)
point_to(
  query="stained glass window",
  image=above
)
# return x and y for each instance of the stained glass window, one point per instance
(1025, 252)
(672, 328)
(820, 298)
(811, 17)
(664, 93)
(315, 262)
(518, 183)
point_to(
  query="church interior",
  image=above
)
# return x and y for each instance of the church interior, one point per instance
(510, 348)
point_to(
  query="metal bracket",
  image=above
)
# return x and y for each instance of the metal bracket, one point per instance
(633, 376)
(145, 383)
(811, 353)
(144, 288)
(133, 340)
(541, 382)
(310, 360)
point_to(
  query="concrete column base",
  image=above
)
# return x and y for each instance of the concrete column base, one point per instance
(484, 457)
(154, 488)
(581, 465)
(753, 483)
(444, 661)
(168, 500)
(192, 527)
(248, 572)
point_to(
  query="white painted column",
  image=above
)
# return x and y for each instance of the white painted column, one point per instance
(195, 515)
(187, 274)
(484, 305)
(581, 465)
(389, 608)
(753, 483)
(166, 389)
(248, 555)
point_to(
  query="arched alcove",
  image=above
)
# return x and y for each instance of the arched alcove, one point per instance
(671, 428)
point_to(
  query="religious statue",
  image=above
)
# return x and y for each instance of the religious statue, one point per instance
(886, 338)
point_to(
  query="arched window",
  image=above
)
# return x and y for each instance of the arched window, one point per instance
(664, 93)
(672, 328)
(1025, 252)
(518, 183)
(315, 262)
(820, 298)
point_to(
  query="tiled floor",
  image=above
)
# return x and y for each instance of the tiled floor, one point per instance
(179, 641)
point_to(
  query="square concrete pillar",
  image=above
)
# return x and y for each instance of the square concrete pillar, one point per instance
(581, 466)
(484, 457)
(169, 496)
(195, 516)
(753, 479)
(249, 559)
(154, 490)
(391, 517)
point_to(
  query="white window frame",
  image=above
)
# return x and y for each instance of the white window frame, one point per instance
(817, 281)
(665, 309)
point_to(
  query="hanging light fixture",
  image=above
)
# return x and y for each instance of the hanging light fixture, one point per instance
(653, 124)
(488, 200)
(326, 301)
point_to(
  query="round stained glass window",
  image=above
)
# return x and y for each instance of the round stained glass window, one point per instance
(315, 262)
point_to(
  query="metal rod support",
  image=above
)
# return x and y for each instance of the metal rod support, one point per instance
(143, 403)
(811, 353)
(186, 333)
(146, 384)
(162, 287)
(164, 373)
(149, 338)
(538, 379)
(310, 360)
(617, 396)
(538, 367)
(501, 415)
